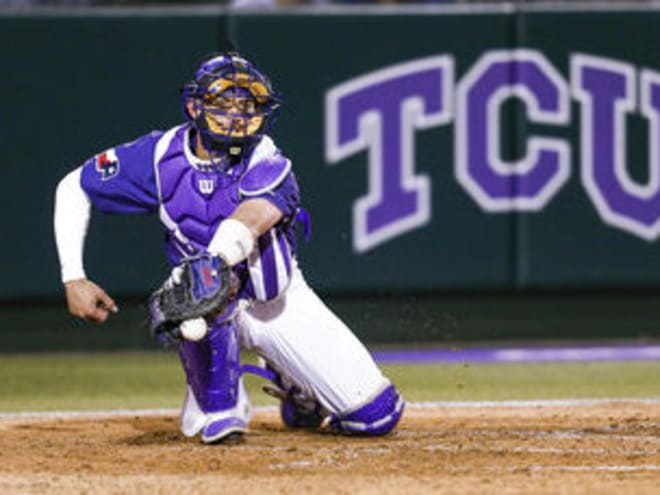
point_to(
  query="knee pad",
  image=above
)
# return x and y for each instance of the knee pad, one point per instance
(376, 418)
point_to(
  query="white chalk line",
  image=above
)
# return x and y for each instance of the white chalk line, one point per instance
(531, 403)
(411, 405)
(615, 468)
(538, 450)
(512, 469)
(567, 435)
(557, 435)
(87, 414)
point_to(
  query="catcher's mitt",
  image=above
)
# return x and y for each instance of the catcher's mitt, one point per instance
(203, 286)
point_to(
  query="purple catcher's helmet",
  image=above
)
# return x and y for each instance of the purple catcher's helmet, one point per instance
(233, 104)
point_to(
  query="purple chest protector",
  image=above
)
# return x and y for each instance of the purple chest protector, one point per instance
(194, 199)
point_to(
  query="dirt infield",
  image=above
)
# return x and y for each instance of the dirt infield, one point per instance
(611, 448)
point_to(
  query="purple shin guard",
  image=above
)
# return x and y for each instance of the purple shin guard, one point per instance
(212, 368)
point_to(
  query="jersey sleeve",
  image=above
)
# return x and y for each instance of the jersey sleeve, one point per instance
(286, 196)
(270, 176)
(122, 179)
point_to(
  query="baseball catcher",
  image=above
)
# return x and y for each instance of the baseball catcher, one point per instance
(230, 203)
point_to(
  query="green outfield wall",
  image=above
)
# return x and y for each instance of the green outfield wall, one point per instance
(438, 150)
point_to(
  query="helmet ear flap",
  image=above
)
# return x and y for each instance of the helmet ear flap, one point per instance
(192, 108)
(189, 92)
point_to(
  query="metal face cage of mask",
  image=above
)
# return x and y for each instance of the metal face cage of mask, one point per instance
(233, 104)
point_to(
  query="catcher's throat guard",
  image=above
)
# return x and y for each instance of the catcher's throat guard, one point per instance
(206, 287)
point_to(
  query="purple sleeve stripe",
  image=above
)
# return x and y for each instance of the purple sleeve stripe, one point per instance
(268, 265)
(285, 252)
(270, 269)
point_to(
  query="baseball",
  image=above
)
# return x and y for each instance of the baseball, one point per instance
(194, 329)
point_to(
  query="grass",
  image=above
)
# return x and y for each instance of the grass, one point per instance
(528, 381)
(101, 381)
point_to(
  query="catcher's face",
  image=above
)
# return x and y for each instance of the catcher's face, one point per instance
(228, 115)
(232, 116)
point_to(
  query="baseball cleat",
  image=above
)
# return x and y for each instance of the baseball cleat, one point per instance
(296, 417)
(226, 430)
(296, 410)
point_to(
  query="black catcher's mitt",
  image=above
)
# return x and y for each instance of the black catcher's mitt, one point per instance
(205, 286)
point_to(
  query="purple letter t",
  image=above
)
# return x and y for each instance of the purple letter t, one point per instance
(380, 111)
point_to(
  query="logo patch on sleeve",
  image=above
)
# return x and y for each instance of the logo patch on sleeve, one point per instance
(107, 164)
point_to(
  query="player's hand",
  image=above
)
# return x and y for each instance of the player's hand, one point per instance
(88, 301)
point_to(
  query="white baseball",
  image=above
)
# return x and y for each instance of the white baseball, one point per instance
(194, 329)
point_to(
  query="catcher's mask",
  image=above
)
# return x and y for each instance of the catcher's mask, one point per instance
(230, 103)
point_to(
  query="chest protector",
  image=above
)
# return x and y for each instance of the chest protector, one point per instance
(193, 202)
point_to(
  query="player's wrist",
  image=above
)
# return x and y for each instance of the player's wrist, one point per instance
(72, 274)
(233, 241)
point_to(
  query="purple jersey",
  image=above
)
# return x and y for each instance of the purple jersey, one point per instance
(159, 174)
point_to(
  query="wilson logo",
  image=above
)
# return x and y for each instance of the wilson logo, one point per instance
(206, 186)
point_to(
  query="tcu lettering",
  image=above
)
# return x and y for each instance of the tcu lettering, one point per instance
(380, 111)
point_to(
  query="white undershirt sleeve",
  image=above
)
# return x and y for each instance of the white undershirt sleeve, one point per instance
(71, 218)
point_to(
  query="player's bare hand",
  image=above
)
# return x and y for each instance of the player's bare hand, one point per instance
(88, 301)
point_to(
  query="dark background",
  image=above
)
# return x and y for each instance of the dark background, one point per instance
(76, 83)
